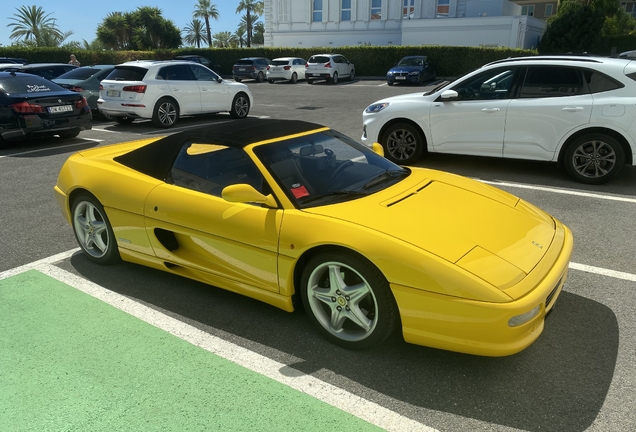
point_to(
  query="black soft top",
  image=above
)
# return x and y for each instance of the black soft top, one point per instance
(156, 159)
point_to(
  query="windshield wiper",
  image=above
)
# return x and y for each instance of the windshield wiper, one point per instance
(333, 193)
(386, 175)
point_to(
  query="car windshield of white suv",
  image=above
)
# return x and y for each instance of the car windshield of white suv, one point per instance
(327, 168)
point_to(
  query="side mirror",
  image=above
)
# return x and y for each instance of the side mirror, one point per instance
(449, 95)
(378, 149)
(244, 193)
(219, 80)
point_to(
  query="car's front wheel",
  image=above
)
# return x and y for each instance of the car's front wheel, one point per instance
(352, 75)
(594, 158)
(240, 106)
(166, 113)
(93, 230)
(403, 144)
(348, 299)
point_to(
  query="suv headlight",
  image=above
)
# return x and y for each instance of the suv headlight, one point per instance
(414, 73)
(375, 108)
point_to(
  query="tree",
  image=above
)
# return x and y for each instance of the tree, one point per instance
(34, 27)
(250, 7)
(259, 33)
(257, 28)
(224, 39)
(239, 34)
(206, 10)
(143, 29)
(575, 28)
(195, 33)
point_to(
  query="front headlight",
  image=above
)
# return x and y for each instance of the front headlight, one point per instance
(375, 108)
(414, 73)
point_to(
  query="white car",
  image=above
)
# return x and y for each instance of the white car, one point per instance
(330, 67)
(286, 68)
(165, 90)
(575, 110)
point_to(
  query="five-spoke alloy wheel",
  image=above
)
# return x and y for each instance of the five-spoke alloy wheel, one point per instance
(93, 231)
(348, 299)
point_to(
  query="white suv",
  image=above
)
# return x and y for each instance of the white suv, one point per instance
(330, 67)
(575, 110)
(165, 90)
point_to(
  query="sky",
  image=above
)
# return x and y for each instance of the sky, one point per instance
(82, 18)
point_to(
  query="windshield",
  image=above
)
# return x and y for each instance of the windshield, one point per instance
(80, 73)
(326, 168)
(412, 61)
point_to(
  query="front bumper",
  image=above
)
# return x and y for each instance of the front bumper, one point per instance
(482, 328)
(411, 79)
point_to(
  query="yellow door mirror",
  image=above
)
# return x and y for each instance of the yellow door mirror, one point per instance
(377, 148)
(245, 193)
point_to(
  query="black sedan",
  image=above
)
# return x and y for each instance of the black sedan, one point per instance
(31, 107)
(411, 69)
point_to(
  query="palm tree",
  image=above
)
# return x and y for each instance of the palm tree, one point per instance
(250, 6)
(32, 24)
(206, 10)
(239, 34)
(224, 39)
(195, 33)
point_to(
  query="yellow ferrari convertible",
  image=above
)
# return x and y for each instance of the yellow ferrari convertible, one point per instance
(274, 209)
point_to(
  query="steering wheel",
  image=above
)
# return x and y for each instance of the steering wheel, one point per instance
(340, 170)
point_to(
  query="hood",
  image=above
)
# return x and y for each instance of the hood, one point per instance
(398, 69)
(462, 221)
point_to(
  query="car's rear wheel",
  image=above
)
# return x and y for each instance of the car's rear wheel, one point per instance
(271, 81)
(237, 79)
(93, 230)
(260, 77)
(594, 158)
(334, 78)
(124, 120)
(69, 134)
(348, 299)
(166, 113)
(240, 106)
(403, 144)
(294, 78)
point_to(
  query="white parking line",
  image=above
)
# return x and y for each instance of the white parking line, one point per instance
(106, 130)
(560, 191)
(50, 148)
(321, 390)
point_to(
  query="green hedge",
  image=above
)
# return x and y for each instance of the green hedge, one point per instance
(369, 60)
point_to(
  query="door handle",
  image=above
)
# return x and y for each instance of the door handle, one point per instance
(490, 110)
(572, 109)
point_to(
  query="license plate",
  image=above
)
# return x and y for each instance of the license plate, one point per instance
(241, 69)
(315, 74)
(400, 78)
(60, 109)
(113, 93)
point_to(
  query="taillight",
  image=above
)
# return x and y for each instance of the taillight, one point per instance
(328, 64)
(101, 87)
(76, 89)
(27, 108)
(306, 64)
(287, 67)
(135, 89)
(267, 67)
(252, 68)
(81, 103)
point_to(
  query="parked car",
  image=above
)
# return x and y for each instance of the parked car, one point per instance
(210, 64)
(251, 68)
(411, 69)
(165, 90)
(45, 70)
(85, 80)
(286, 68)
(330, 67)
(33, 107)
(274, 209)
(14, 60)
(578, 111)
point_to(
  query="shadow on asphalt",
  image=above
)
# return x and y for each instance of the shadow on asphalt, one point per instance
(558, 384)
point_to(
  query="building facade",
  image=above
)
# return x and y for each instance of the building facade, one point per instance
(309, 23)
(542, 9)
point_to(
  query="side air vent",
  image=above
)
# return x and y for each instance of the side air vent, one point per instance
(406, 195)
(167, 239)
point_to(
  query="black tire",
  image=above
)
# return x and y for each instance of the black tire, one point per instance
(237, 79)
(124, 120)
(389, 83)
(352, 75)
(310, 81)
(240, 106)
(594, 158)
(271, 81)
(166, 113)
(93, 231)
(260, 77)
(69, 134)
(361, 297)
(334, 78)
(294, 78)
(403, 144)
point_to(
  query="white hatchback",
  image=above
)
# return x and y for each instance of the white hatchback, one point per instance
(330, 67)
(575, 110)
(165, 90)
(286, 68)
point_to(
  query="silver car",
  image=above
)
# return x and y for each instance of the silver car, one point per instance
(330, 67)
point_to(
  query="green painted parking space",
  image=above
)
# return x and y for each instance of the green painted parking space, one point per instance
(71, 362)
